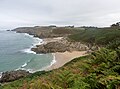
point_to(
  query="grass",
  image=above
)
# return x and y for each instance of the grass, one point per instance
(46, 77)
(99, 36)
(99, 70)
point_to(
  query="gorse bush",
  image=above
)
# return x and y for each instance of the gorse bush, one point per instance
(65, 78)
(104, 56)
(98, 36)
(99, 70)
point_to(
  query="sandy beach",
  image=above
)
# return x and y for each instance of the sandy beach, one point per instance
(63, 58)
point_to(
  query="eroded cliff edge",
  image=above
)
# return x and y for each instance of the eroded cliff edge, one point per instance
(57, 46)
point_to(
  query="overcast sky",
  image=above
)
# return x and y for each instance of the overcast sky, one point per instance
(15, 13)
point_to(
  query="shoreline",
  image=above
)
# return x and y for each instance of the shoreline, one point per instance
(59, 59)
(65, 57)
(1, 74)
(38, 41)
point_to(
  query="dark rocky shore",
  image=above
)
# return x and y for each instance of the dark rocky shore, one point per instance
(52, 32)
(51, 47)
(13, 75)
(60, 46)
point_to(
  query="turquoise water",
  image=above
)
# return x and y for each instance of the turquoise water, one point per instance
(15, 53)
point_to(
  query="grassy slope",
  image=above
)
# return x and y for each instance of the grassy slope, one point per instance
(99, 36)
(99, 70)
(50, 76)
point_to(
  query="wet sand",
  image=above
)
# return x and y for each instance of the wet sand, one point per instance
(63, 58)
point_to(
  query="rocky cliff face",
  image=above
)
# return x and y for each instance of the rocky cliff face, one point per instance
(13, 75)
(60, 46)
(46, 31)
(53, 32)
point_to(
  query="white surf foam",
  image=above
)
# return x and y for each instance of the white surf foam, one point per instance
(29, 70)
(28, 51)
(37, 41)
(26, 34)
(53, 61)
(43, 68)
(0, 74)
(46, 67)
(23, 68)
(24, 65)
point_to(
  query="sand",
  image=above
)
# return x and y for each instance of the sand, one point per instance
(63, 58)
(47, 40)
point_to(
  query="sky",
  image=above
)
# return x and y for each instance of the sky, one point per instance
(20, 13)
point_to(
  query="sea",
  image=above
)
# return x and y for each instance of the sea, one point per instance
(16, 54)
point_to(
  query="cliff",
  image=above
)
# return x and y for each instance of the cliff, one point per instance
(53, 32)
(13, 75)
(46, 31)
(60, 46)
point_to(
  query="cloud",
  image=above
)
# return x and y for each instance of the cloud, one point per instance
(15, 13)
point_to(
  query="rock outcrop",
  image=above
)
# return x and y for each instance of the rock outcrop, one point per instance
(60, 46)
(54, 32)
(13, 75)
(41, 32)
(46, 31)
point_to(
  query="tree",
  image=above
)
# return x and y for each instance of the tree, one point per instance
(116, 24)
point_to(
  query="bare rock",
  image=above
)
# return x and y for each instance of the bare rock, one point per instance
(13, 75)
(60, 46)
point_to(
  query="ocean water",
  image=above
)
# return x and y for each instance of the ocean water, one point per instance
(15, 53)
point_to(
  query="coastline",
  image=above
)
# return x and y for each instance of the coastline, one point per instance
(0, 74)
(65, 57)
(37, 41)
(59, 58)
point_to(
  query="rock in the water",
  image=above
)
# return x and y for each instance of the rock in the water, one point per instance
(13, 75)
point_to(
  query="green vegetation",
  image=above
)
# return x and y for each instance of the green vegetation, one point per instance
(65, 30)
(98, 36)
(99, 70)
